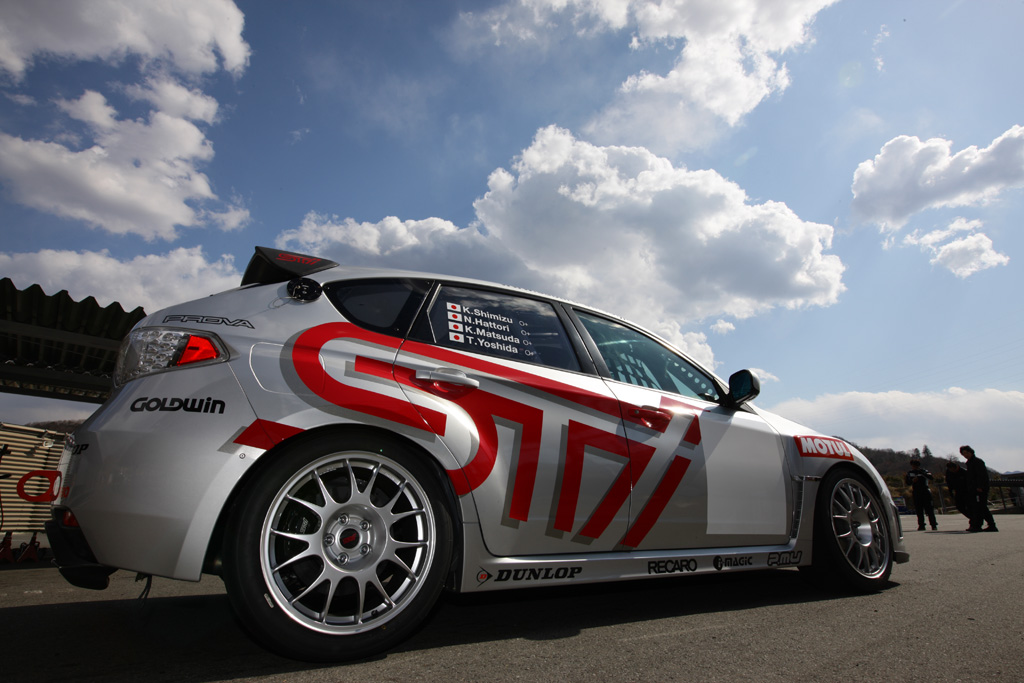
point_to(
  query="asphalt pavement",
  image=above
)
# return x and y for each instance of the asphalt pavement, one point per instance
(954, 613)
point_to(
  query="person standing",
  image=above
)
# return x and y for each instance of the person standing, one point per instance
(977, 489)
(918, 479)
(956, 482)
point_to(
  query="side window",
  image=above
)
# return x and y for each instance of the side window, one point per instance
(635, 358)
(501, 325)
(385, 306)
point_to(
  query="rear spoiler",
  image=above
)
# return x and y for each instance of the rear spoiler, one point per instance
(268, 266)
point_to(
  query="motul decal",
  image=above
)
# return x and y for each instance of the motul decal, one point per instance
(823, 447)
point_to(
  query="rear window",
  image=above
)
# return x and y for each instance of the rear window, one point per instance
(385, 306)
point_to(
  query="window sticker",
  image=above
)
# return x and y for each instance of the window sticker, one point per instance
(504, 326)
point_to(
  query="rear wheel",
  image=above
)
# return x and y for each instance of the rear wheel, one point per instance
(852, 541)
(339, 549)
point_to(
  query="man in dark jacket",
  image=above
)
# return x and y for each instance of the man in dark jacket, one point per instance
(977, 489)
(917, 479)
(956, 482)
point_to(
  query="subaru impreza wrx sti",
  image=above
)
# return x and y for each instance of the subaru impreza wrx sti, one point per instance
(342, 444)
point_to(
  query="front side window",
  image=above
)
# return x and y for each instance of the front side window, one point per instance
(502, 325)
(635, 358)
(385, 306)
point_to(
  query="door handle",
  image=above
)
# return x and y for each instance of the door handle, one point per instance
(447, 382)
(651, 417)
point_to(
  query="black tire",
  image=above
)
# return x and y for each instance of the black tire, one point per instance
(852, 539)
(339, 548)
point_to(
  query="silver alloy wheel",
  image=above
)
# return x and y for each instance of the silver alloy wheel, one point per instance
(859, 529)
(347, 542)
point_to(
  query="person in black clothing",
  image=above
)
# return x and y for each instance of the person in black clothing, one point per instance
(977, 489)
(917, 479)
(956, 482)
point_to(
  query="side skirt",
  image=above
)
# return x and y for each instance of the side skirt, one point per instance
(481, 571)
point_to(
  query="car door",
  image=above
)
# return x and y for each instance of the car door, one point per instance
(711, 476)
(536, 432)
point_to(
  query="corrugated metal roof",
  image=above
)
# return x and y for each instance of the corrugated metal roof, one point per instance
(56, 347)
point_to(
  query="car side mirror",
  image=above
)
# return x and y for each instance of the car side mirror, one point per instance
(743, 386)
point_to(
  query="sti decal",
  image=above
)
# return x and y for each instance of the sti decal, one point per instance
(485, 408)
(296, 258)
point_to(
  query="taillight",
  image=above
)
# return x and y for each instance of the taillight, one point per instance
(150, 350)
(197, 349)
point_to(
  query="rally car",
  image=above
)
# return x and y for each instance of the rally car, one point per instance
(341, 444)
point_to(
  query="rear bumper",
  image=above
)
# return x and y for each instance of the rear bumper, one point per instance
(73, 557)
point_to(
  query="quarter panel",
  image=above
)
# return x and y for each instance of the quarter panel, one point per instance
(147, 501)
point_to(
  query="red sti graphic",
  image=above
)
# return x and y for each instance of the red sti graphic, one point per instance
(823, 447)
(297, 259)
(483, 407)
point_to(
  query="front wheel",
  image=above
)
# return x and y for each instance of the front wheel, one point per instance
(339, 549)
(852, 541)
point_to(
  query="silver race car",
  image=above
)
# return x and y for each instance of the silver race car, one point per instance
(341, 444)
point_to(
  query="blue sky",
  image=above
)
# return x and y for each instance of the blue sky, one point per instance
(829, 192)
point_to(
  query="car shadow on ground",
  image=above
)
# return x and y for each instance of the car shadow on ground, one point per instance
(196, 637)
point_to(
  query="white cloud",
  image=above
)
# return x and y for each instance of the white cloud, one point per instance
(909, 176)
(615, 227)
(152, 281)
(174, 99)
(411, 244)
(23, 100)
(137, 176)
(963, 256)
(729, 62)
(723, 327)
(645, 236)
(986, 419)
(764, 375)
(882, 37)
(195, 36)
